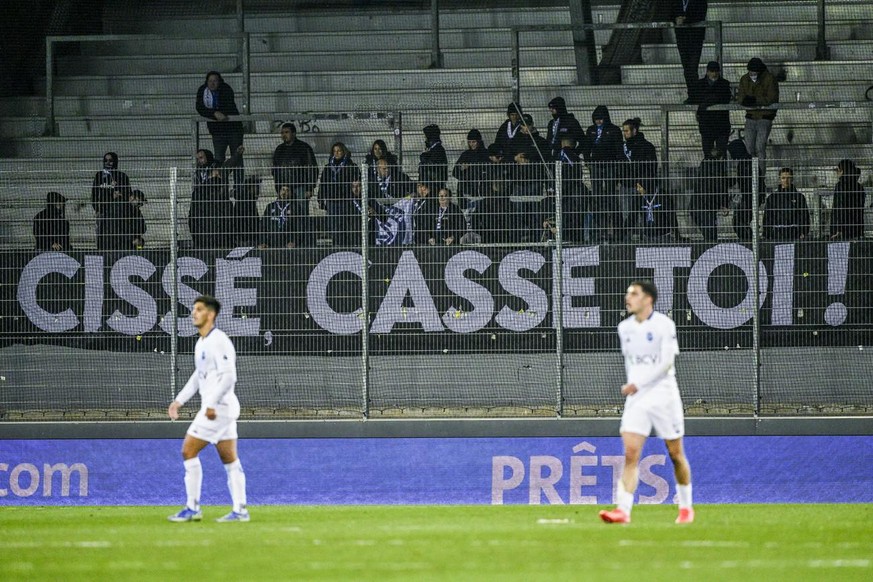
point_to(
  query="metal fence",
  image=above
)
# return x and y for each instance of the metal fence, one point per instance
(490, 287)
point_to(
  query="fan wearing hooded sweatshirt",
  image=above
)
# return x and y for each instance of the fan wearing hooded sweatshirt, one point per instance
(562, 124)
(335, 189)
(471, 169)
(110, 186)
(640, 169)
(602, 150)
(758, 88)
(509, 134)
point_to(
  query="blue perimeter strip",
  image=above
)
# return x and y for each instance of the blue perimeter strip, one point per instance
(742, 469)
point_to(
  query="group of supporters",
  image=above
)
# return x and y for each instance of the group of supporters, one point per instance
(607, 175)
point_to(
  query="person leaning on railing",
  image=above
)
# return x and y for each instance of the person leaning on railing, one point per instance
(51, 229)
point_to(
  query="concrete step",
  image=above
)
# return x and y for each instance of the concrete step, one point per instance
(339, 81)
(21, 126)
(795, 72)
(659, 54)
(310, 62)
(362, 41)
(392, 20)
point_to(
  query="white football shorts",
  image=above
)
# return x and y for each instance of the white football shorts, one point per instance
(223, 428)
(657, 408)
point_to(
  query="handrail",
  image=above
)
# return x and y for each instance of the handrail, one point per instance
(50, 41)
(394, 120)
(806, 105)
(716, 25)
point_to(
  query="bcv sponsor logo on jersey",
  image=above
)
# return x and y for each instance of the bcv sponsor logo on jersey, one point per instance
(644, 359)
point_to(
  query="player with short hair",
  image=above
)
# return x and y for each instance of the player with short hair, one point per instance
(214, 377)
(649, 347)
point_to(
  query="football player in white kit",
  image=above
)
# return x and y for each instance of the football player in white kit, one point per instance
(214, 377)
(649, 346)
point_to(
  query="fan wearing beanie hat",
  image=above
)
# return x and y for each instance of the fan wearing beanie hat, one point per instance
(561, 124)
(758, 90)
(714, 126)
(51, 229)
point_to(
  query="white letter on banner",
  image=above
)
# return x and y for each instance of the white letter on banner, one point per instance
(15, 483)
(483, 303)
(663, 261)
(93, 315)
(783, 285)
(34, 272)
(147, 311)
(66, 472)
(578, 287)
(408, 279)
(658, 483)
(698, 295)
(577, 479)
(316, 293)
(231, 296)
(185, 267)
(539, 484)
(498, 483)
(536, 299)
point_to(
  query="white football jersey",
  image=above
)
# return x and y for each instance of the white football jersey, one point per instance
(647, 346)
(214, 357)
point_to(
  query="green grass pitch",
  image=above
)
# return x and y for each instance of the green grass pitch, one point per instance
(727, 542)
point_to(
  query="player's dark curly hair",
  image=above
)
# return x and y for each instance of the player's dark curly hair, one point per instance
(210, 302)
(646, 287)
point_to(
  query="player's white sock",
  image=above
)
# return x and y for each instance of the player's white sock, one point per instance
(193, 482)
(236, 482)
(684, 493)
(625, 500)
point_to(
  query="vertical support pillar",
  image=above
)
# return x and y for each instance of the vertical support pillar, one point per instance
(514, 68)
(719, 43)
(49, 86)
(583, 42)
(436, 55)
(245, 66)
(822, 51)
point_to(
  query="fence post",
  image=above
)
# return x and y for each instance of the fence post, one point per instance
(365, 293)
(246, 72)
(822, 51)
(49, 87)
(558, 296)
(514, 69)
(436, 56)
(174, 300)
(719, 45)
(756, 288)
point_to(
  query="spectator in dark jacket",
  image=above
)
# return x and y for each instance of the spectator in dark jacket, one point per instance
(349, 234)
(433, 166)
(391, 183)
(279, 225)
(710, 196)
(215, 100)
(492, 216)
(378, 151)
(561, 124)
(847, 220)
(447, 224)
(715, 126)
(136, 224)
(335, 188)
(603, 151)
(295, 166)
(689, 40)
(51, 229)
(471, 169)
(110, 184)
(758, 91)
(210, 217)
(786, 216)
(641, 168)
(574, 197)
(508, 134)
